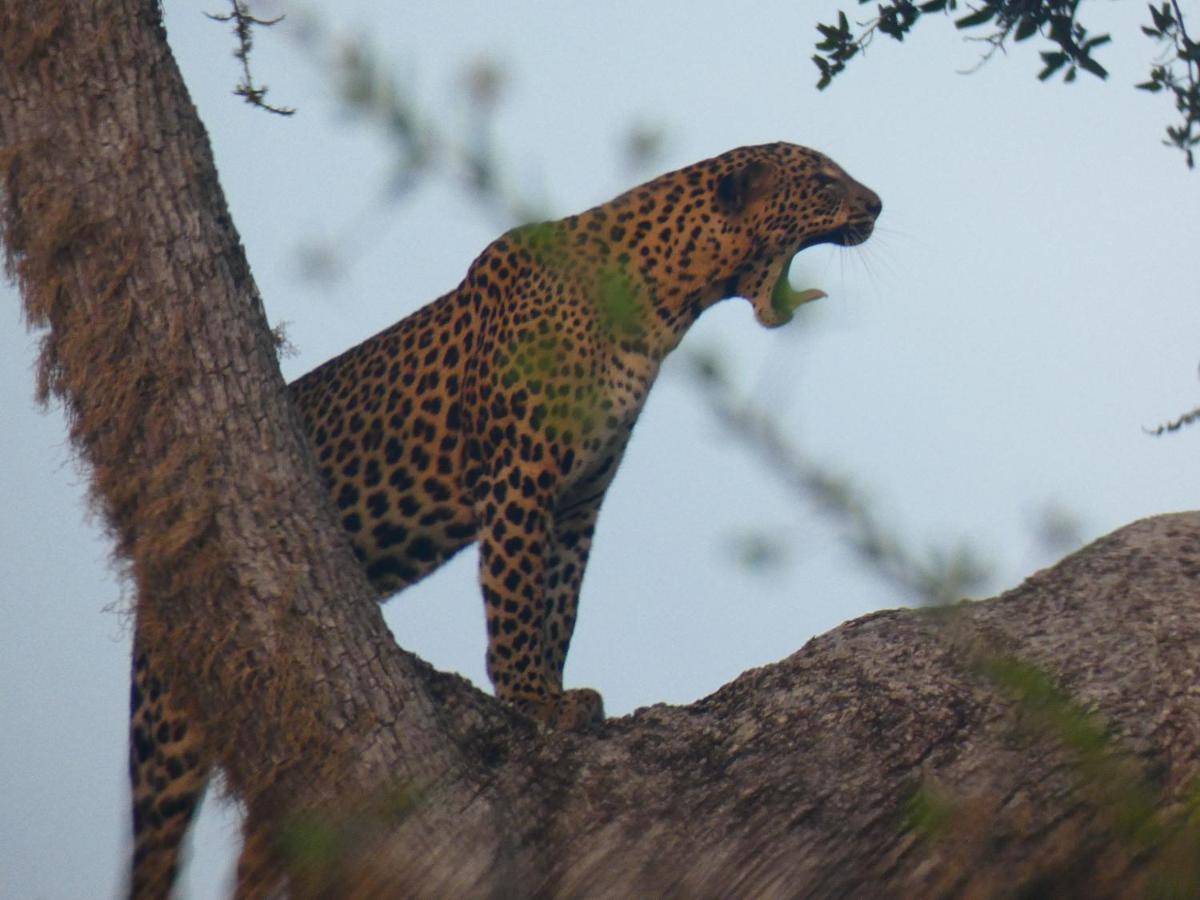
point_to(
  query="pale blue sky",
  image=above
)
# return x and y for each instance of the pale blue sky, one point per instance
(1026, 306)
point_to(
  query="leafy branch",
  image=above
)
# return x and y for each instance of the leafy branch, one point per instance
(1017, 20)
(1179, 52)
(1175, 424)
(1069, 45)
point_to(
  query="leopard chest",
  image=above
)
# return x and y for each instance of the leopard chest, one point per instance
(615, 396)
(560, 407)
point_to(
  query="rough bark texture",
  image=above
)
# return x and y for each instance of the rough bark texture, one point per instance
(810, 777)
(1040, 744)
(118, 234)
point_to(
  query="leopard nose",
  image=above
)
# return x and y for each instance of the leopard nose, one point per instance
(872, 202)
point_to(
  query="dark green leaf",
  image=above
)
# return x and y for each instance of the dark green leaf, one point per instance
(932, 6)
(1060, 32)
(1162, 19)
(976, 18)
(1096, 42)
(1090, 65)
(1152, 86)
(1026, 28)
(1151, 32)
(1054, 62)
(827, 73)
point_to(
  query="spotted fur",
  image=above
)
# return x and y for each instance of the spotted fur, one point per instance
(499, 414)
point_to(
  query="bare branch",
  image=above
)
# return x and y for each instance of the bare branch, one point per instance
(253, 94)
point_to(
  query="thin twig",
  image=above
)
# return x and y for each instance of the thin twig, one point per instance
(246, 88)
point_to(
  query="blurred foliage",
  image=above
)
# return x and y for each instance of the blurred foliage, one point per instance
(424, 147)
(1151, 828)
(761, 551)
(1057, 530)
(940, 575)
(1175, 71)
(316, 846)
(643, 145)
(623, 313)
(930, 811)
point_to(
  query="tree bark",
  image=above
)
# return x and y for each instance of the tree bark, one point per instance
(119, 237)
(1041, 743)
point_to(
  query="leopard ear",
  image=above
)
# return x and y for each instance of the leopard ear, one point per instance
(736, 189)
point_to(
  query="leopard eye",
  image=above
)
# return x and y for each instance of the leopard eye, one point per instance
(824, 179)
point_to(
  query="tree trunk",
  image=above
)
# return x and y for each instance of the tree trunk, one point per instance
(1042, 743)
(118, 234)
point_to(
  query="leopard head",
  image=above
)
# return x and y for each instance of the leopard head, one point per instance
(775, 200)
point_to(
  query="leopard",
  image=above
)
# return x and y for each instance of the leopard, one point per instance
(498, 414)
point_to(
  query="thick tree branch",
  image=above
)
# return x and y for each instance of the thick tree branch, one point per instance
(1043, 743)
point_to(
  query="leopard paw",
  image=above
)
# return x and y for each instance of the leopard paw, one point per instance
(573, 710)
(576, 710)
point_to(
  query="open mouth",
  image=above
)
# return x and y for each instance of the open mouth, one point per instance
(849, 235)
(764, 281)
(771, 295)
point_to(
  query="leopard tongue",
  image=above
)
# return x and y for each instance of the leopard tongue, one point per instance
(772, 296)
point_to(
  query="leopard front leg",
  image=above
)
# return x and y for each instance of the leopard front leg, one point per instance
(570, 548)
(516, 549)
